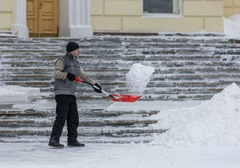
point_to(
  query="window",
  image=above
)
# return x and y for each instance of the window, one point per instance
(162, 6)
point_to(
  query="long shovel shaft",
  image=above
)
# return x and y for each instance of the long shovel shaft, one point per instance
(106, 93)
(103, 91)
(114, 97)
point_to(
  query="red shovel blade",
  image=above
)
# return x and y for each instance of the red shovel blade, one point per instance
(124, 97)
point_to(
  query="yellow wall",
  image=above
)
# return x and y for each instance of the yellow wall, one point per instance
(231, 7)
(5, 14)
(127, 16)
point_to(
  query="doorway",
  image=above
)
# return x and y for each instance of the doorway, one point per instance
(43, 18)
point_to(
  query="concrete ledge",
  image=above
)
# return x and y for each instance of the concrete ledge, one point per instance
(6, 106)
(11, 95)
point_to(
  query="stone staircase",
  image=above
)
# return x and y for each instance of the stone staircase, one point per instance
(96, 126)
(186, 67)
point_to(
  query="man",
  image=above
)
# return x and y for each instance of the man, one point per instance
(66, 69)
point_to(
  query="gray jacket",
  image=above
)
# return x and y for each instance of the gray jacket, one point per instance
(62, 66)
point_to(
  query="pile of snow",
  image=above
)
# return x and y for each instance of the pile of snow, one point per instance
(17, 94)
(138, 78)
(232, 25)
(213, 123)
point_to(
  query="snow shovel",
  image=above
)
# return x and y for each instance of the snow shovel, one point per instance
(116, 97)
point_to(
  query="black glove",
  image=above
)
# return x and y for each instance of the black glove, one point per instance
(71, 77)
(97, 88)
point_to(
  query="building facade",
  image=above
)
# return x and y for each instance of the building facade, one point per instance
(81, 18)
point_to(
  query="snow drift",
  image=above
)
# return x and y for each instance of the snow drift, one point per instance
(213, 123)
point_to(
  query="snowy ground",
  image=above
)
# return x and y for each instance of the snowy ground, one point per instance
(117, 156)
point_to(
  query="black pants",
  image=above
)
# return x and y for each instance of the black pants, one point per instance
(66, 110)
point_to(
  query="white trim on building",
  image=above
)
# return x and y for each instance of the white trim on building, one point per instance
(74, 19)
(19, 25)
(79, 18)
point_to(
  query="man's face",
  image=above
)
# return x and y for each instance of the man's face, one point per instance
(75, 53)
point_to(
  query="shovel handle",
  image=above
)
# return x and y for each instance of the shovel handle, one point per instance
(78, 80)
(103, 91)
(106, 93)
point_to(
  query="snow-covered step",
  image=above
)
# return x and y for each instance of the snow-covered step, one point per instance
(197, 69)
(228, 51)
(185, 90)
(27, 112)
(42, 63)
(45, 139)
(180, 45)
(150, 44)
(46, 69)
(29, 76)
(105, 63)
(26, 69)
(28, 63)
(28, 56)
(49, 83)
(177, 97)
(198, 63)
(82, 122)
(193, 83)
(82, 131)
(159, 77)
(25, 50)
(121, 56)
(4, 113)
(38, 83)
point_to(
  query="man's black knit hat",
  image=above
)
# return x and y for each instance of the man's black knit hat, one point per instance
(71, 46)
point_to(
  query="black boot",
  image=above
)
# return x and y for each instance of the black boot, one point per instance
(55, 143)
(75, 144)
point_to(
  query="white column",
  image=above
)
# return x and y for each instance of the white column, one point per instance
(79, 18)
(19, 26)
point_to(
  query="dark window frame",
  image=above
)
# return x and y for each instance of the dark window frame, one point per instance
(162, 7)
